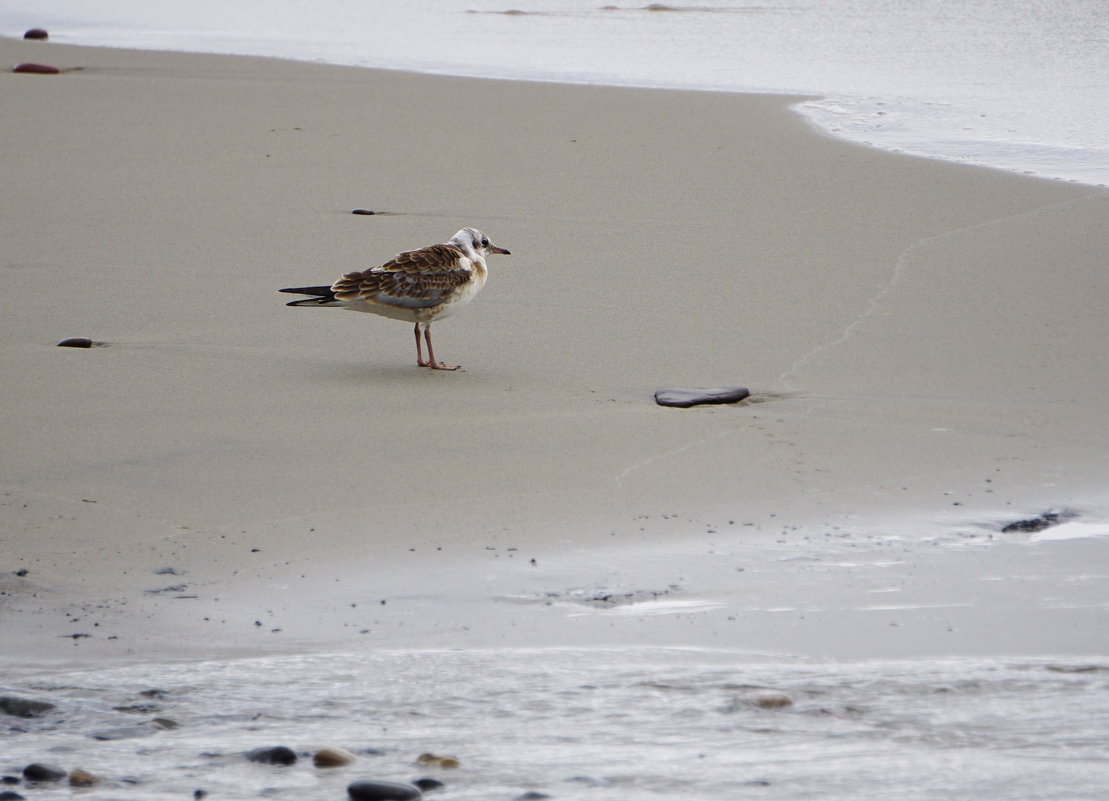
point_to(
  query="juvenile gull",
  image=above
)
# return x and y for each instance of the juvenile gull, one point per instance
(417, 286)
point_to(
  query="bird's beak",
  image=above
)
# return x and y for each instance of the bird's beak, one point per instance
(494, 249)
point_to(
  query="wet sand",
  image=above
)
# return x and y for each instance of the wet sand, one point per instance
(924, 343)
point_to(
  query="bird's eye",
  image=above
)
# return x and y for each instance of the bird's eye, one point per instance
(485, 243)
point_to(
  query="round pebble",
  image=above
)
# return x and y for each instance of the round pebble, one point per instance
(426, 785)
(36, 33)
(772, 700)
(332, 757)
(82, 778)
(75, 342)
(36, 69)
(363, 211)
(374, 790)
(10, 795)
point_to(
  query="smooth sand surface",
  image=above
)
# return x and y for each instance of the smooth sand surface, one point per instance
(925, 343)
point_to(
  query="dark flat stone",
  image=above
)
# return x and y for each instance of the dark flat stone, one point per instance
(76, 342)
(35, 69)
(1034, 524)
(36, 33)
(686, 397)
(38, 772)
(374, 790)
(23, 707)
(278, 755)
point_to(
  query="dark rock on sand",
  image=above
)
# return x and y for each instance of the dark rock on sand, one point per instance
(9, 795)
(427, 785)
(363, 211)
(685, 398)
(10, 780)
(36, 33)
(531, 795)
(75, 342)
(36, 69)
(23, 707)
(38, 772)
(1034, 524)
(374, 790)
(278, 755)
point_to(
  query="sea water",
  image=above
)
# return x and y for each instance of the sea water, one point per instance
(579, 725)
(1016, 84)
(735, 713)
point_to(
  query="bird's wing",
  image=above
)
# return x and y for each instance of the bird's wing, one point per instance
(416, 279)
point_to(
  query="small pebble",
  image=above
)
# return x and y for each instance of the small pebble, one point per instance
(75, 342)
(35, 69)
(11, 795)
(363, 211)
(427, 785)
(374, 790)
(37, 772)
(36, 33)
(434, 760)
(772, 701)
(82, 778)
(333, 757)
(278, 755)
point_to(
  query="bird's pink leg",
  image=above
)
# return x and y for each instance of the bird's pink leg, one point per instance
(434, 365)
(419, 350)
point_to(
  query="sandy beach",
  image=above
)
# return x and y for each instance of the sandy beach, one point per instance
(925, 345)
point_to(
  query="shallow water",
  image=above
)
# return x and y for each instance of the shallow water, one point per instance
(1005, 83)
(594, 722)
(582, 724)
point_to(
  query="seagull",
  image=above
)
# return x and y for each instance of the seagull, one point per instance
(417, 286)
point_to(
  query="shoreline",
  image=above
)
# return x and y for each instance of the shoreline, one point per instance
(923, 341)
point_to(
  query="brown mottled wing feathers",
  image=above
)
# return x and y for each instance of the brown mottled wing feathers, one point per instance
(415, 279)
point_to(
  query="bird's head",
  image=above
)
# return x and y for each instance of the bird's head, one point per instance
(474, 243)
